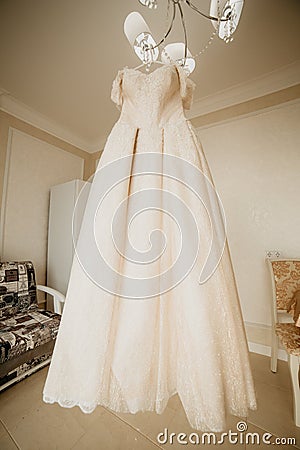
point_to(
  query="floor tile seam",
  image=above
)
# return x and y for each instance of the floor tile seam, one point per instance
(133, 428)
(10, 434)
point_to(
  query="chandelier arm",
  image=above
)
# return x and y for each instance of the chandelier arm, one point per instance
(184, 32)
(207, 16)
(169, 29)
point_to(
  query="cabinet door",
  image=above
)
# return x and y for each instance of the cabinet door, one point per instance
(60, 240)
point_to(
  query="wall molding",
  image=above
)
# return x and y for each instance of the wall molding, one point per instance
(249, 108)
(259, 340)
(266, 351)
(277, 80)
(271, 82)
(21, 111)
(4, 191)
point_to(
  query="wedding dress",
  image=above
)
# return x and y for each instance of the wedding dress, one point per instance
(139, 325)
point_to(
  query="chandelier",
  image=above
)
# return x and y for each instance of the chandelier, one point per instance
(223, 14)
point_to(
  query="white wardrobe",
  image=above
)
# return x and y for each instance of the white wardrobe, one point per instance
(63, 199)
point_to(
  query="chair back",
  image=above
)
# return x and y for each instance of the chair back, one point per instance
(285, 281)
(17, 287)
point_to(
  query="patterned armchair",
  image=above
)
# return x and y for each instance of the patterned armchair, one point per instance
(285, 274)
(27, 333)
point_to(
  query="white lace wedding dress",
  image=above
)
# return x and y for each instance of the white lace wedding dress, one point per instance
(140, 327)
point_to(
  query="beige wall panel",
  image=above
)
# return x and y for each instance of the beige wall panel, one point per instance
(255, 162)
(33, 166)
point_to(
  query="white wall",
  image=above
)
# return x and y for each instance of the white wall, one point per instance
(32, 167)
(255, 162)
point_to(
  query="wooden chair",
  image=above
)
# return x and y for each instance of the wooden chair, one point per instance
(285, 275)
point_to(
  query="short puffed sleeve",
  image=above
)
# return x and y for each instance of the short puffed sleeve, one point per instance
(187, 88)
(116, 90)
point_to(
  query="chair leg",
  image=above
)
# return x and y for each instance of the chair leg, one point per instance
(294, 371)
(274, 352)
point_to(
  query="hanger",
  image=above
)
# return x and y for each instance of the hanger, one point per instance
(148, 65)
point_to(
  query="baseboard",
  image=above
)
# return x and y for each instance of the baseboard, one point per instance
(259, 340)
(266, 350)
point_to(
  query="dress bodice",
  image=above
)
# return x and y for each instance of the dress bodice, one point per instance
(153, 99)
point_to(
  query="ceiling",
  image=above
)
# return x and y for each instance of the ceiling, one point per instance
(59, 57)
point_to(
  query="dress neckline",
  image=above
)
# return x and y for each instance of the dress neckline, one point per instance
(132, 69)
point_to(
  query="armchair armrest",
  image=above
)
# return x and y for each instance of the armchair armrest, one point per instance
(58, 297)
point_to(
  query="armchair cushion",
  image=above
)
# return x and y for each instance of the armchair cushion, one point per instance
(27, 334)
(25, 331)
(286, 276)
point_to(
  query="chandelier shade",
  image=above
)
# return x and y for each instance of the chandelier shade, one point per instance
(226, 9)
(216, 9)
(176, 52)
(139, 36)
(135, 25)
(152, 4)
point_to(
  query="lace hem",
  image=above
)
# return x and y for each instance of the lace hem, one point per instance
(193, 417)
(89, 408)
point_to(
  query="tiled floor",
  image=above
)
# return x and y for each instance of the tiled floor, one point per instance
(29, 424)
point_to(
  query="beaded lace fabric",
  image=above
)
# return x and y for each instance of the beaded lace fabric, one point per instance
(133, 355)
